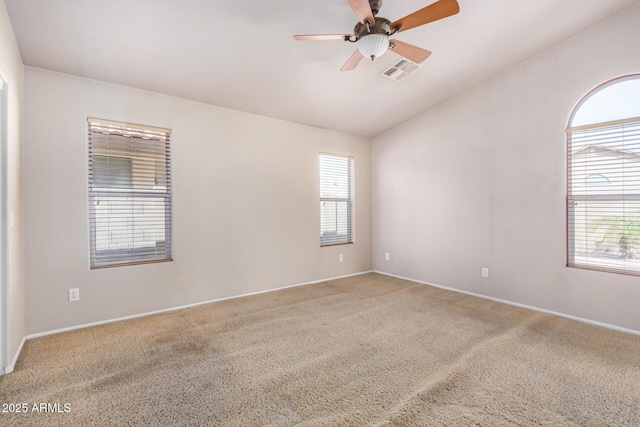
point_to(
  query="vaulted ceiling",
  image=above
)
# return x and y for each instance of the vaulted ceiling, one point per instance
(241, 54)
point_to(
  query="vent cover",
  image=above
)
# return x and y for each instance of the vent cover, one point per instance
(401, 70)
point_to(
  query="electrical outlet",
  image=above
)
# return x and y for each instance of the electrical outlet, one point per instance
(485, 272)
(340, 258)
(74, 294)
(387, 257)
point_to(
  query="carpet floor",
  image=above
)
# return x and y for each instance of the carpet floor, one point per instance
(365, 350)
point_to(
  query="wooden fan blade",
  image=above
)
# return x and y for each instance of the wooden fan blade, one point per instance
(362, 10)
(409, 51)
(322, 36)
(433, 12)
(352, 62)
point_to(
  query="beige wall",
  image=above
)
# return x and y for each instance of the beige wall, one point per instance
(11, 74)
(245, 212)
(480, 182)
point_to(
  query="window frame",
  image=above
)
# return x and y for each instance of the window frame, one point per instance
(349, 200)
(131, 194)
(573, 200)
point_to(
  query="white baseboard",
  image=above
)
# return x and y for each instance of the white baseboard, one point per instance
(516, 304)
(11, 367)
(150, 313)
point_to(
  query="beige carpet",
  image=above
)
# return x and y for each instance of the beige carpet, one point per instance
(367, 350)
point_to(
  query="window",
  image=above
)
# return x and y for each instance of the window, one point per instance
(129, 194)
(603, 201)
(336, 200)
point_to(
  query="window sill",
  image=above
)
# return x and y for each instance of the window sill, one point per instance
(604, 270)
(125, 264)
(336, 244)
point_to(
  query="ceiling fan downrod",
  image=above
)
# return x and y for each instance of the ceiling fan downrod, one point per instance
(375, 6)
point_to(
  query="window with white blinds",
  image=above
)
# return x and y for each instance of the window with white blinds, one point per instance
(336, 200)
(603, 203)
(129, 194)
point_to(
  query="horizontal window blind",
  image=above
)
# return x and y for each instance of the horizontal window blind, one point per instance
(129, 193)
(336, 200)
(603, 203)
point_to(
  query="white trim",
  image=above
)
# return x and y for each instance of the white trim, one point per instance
(134, 316)
(516, 304)
(4, 227)
(9, 369)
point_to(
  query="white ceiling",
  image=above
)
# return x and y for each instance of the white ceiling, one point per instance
(241, 54)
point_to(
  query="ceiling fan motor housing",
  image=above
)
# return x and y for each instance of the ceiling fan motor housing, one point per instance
(381, 26)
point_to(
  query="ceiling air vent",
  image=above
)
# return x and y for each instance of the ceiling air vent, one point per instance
(401, 70)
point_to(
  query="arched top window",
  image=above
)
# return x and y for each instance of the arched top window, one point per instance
(603, 178)
(615, 100)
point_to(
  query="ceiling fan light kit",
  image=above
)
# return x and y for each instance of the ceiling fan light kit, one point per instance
(372, 33)
(373, 45)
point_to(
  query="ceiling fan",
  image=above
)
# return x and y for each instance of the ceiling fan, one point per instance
(372, 33)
